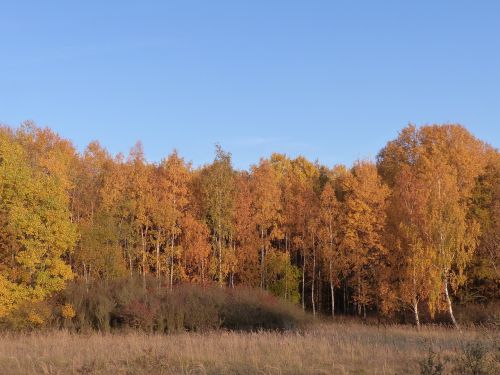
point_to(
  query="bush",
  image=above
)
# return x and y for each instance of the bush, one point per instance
(248, 309)
(474, 358)
(127, 304)
(477, 359)
(29, 316)
(432, 364)
(199, 308)
(479, 314)
(92, 308)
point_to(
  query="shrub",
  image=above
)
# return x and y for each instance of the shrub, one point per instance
(127, 304)
(67, 311)
(487, 314)
(199, 307)
(92, 308)
(248, 309)
(476, 358)
(432, 364)
(28, 316)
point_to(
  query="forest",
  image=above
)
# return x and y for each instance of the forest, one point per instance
(412, 236)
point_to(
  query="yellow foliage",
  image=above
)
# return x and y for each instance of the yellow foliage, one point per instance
(10, 295)
(35, 319)
(36, 229)
(68, 312)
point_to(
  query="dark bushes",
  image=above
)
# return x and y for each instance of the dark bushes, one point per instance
(487, 314)
(255, 309)
(127, 304)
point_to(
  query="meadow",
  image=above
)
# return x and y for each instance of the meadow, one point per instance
(323, 348)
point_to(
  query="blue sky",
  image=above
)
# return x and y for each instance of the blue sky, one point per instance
(331, 80)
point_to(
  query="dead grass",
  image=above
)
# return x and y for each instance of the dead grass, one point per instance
(341, 348)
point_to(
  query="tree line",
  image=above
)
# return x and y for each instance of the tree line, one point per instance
(417, 230)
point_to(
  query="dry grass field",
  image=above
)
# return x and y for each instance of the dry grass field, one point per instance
(340, 348)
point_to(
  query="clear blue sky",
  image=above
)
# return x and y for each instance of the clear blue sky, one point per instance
(332, 80)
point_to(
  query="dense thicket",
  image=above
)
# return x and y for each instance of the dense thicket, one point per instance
(125, 304)
(416, 231)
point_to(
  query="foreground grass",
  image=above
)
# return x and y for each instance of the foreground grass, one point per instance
(341, 348)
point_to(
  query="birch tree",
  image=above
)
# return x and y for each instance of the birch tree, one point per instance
(218, 195)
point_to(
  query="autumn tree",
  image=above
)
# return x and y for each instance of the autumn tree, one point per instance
(330, 237)
(365, 204)
(49, 152)
(266, 209)
(450, 234)
(298, 179)
(37, 233)
(448, 161)
(139, 192)
(91, 170)
(218, 195)
(413, 233)
(116, 203)
(98, 252)
(172, 198)
(246, 233)
(407, 281)
(483, 273)
(196, 249)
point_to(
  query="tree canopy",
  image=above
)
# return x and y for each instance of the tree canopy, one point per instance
(417, 230)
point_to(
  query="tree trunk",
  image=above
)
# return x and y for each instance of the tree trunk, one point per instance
(130, 265)
(158, 260)
(320, 292)
(234, 252)
(304, 283)
(359, 296)
(286, 267)
(220, 261)
(171, 272)
(85, 273)
(86, 276)
(415, 299)
(332, 290)
(144, 271)
(345, 298)
(262, 254)
(172, 262)
(364, 303)
(167, 271)
(415, 311)
(450, 307)
(312, 284)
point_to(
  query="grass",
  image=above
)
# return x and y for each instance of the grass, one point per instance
(335, 348)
